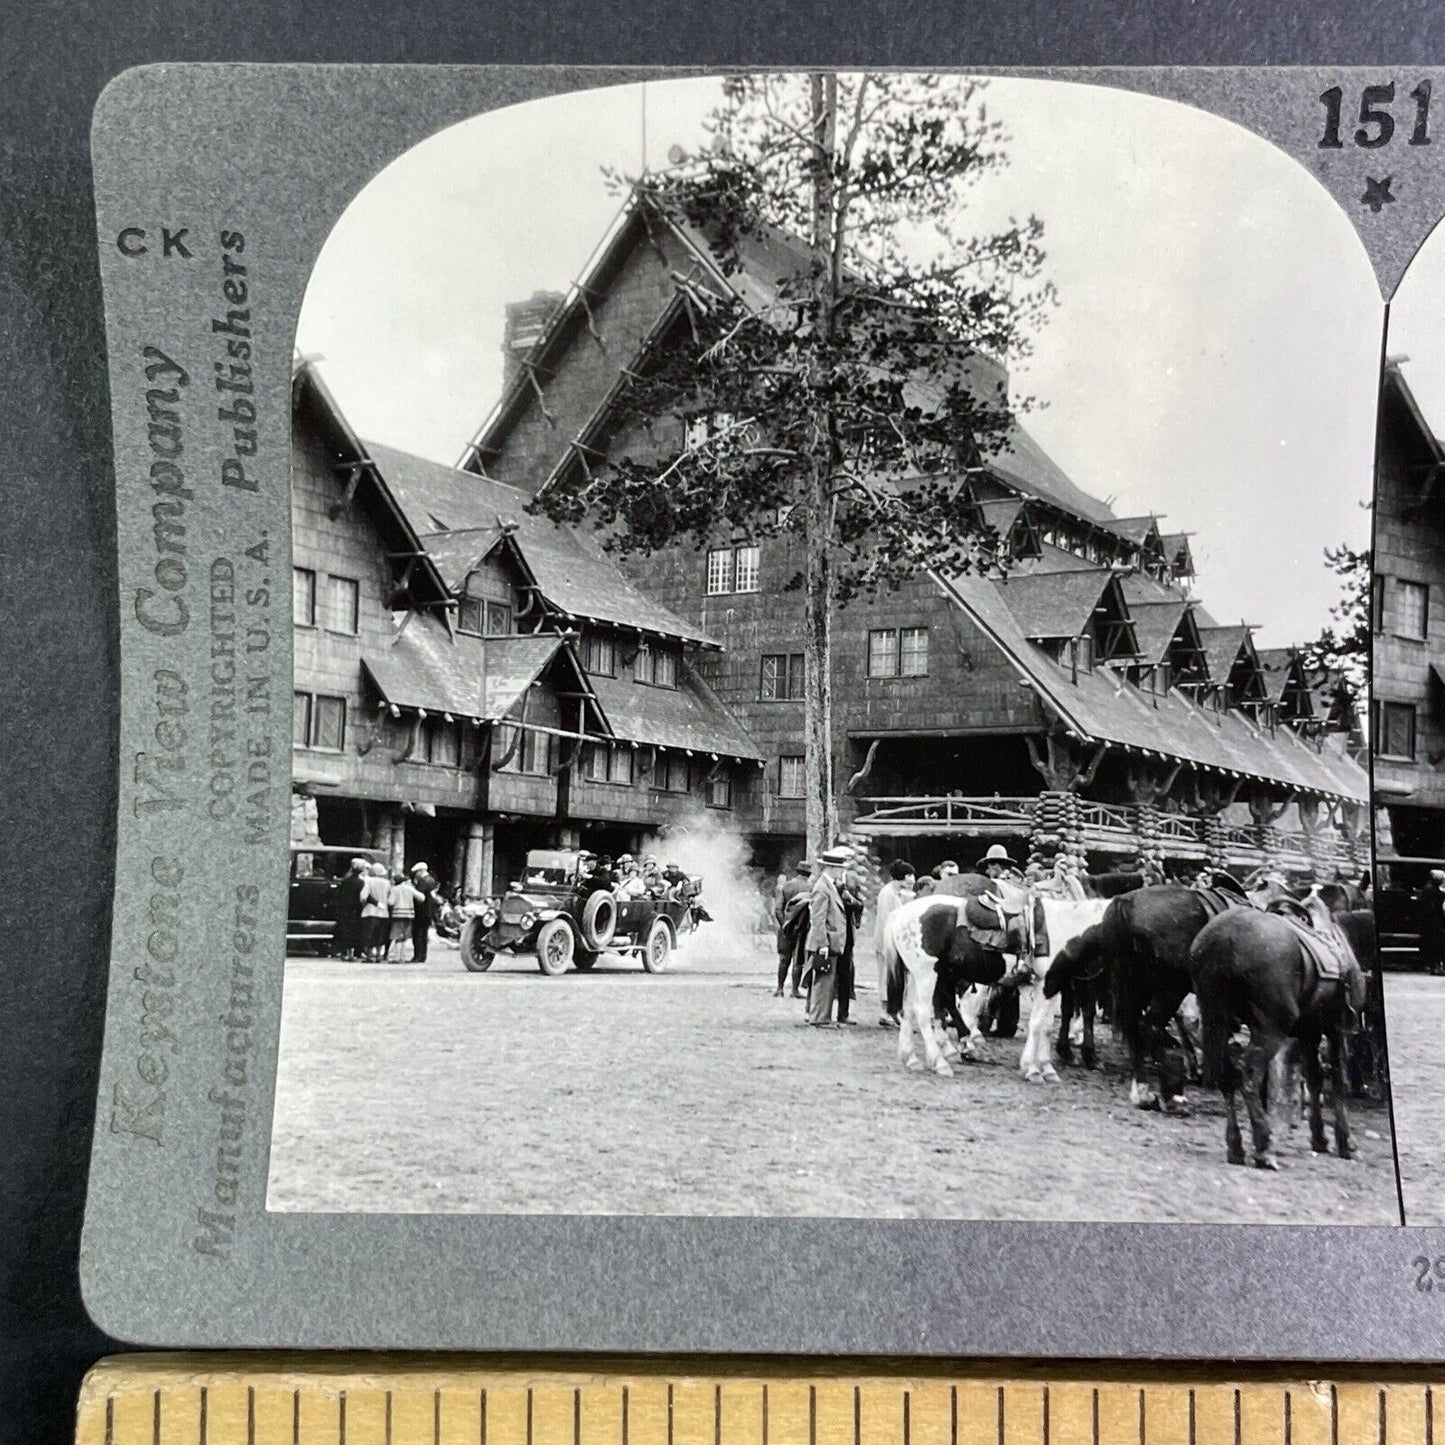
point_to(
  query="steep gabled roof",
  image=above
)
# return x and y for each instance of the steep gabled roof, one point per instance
(1137, 530)
(1178, 553)
(468, 677)
(689, 716)
(1156, 625)
(1281, 669)
(1054, 604)
(1022, 463)
(476, 512)
(1222, 646)
(313, 403)
(1100, 705)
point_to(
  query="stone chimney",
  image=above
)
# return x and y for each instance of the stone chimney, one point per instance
(526, 321)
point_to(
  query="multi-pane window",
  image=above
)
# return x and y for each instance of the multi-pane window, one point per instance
(303, 597)
(1395, 729)
(342, 604)
(607, 763)
(1412, 609)
(318, 721)
(913, 652)
(790, 777)
(745, 569)
(482, 618)
(883, 653)
(532, 755)
(599, 655)
(782, 677)
(733, 569)
(655, 665)
(719, 791)
(898, 652)
(300, 719)
(719, 571)
(444, 743)
(669, 773)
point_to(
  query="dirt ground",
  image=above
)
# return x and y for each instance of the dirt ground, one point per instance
(1415, 1028)
(425, 1089)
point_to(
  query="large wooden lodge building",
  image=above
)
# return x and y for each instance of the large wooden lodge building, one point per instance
(1408, 617)
(472, 680)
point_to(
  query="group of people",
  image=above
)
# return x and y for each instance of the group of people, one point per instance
(378, 914)
(631, 877)
(819, 909)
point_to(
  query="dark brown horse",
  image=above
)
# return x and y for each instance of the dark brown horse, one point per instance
(1143, 943)
(1251, 970)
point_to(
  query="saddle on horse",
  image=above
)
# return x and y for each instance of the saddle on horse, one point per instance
(1324, 951)
(996, 923)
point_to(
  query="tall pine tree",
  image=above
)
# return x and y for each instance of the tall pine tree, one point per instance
(851, 402)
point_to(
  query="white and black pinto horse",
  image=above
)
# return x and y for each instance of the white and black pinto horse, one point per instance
(927, 941)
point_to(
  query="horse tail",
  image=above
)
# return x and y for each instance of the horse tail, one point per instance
(1129, 954)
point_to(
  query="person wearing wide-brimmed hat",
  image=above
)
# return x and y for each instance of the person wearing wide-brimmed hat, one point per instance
(827, 935)
(996, 863)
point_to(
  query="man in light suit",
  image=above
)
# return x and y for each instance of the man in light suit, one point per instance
(827, 935)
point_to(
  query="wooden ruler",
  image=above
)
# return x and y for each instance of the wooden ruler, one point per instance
(446, 1400)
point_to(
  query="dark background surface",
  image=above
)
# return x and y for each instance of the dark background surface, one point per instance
(57, 577)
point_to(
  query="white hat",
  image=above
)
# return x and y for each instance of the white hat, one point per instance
(419, 868)
(836, 857)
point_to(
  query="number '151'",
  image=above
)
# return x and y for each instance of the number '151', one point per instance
(1377, 124)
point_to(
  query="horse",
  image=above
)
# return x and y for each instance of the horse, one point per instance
(1077, 976)
(1143, 943)
(927, 942)
(1252, 968)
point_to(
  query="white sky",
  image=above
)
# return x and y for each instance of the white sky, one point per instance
(1416, 334)
(1214, 356)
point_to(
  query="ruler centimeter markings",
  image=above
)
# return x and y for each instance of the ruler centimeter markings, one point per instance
(245, 1400)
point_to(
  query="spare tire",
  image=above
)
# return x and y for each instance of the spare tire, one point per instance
(599, 920)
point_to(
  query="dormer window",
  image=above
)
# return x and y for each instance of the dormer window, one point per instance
(482, 617)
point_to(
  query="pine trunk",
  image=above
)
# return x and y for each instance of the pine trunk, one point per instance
(822, 814)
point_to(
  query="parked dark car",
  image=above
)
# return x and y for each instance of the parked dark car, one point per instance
(554, 913)
(1410, 913)
(316, 869)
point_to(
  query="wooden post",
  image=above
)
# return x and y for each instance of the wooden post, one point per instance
(1147, 788)
(396, 841)
(480, 846)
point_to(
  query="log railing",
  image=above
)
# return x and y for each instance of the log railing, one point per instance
(1107, 828)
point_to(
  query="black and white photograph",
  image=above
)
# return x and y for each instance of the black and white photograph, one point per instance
(831, 622)
(1408, 725)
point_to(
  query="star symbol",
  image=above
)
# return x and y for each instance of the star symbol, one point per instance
(1377, 193)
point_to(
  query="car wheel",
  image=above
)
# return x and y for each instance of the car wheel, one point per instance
(585, 959)
(657, 950)
(476, 957)
(556, 947)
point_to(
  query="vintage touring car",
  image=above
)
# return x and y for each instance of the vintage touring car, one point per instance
(316, 871)
(557, 914)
